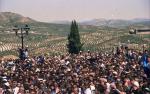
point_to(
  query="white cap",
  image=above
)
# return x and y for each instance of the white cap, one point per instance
(115, 73)
(135, 83)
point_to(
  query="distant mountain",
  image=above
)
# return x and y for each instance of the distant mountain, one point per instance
(8, 20)
(137, 20)
(110, 22)
(9, 17)
(115, 22)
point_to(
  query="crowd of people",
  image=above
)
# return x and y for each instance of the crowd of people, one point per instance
(123, 71)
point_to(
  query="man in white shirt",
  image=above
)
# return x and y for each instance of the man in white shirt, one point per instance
(88, 91)
(16, 90)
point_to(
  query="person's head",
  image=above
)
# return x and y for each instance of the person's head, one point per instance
(113, 85)
(135, 85)
(146, 51)
(75, 89)
(21, 89)
(149, 59)
(1, 90)
(33, 92)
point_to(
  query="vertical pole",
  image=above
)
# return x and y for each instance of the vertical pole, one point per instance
(149, 48)
(22, 38)
(143, 48)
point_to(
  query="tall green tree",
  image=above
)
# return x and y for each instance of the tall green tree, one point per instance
(74, 44)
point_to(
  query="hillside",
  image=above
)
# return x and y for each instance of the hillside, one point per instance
(8, 20)
(9, 17)
(52, 38)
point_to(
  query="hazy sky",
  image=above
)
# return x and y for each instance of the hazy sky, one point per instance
(52, 10)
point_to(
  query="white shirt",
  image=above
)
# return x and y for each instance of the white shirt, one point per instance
(16, 90)
(88, 91)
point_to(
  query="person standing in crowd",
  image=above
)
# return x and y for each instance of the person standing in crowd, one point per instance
(145, 63)
(26, 53)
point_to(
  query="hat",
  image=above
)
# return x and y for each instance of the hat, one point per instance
(135, 83)
(115, 73)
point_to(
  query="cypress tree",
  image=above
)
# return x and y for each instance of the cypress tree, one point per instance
(74, 45)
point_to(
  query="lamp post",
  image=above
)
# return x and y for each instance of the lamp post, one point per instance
(21, 32)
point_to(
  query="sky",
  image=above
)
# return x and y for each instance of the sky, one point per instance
(56, 10)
